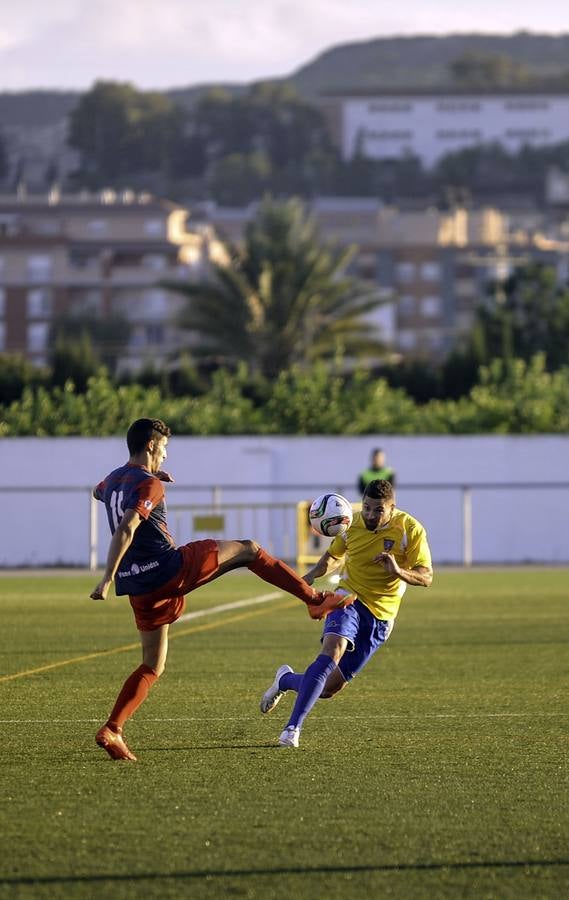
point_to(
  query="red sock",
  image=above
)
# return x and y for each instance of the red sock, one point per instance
(276, 572)
(133, 692)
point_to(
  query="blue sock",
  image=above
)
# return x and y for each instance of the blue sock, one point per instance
(313, 682)
(291, 681)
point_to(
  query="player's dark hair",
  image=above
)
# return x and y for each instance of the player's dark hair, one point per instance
(142, 431)
(379, 489)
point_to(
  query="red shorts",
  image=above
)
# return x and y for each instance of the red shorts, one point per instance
(166, 604)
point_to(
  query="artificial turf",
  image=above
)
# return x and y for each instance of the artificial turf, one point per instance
(440, 772)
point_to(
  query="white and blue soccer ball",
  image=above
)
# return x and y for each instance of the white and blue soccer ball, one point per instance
(330, 514)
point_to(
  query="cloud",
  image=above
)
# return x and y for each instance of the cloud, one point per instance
(164, 43)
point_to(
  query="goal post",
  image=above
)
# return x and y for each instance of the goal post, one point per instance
(309, 545)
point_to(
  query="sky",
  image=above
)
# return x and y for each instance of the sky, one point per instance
(159, 44)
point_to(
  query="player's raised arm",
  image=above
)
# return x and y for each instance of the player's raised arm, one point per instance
(326, 564)
(120, 542)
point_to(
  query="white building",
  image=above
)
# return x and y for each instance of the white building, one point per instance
(430, 125)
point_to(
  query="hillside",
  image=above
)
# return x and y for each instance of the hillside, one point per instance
(405, 62)
(35, 108)
(381, 63)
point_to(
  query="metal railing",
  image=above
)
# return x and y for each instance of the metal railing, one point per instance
(253, 511)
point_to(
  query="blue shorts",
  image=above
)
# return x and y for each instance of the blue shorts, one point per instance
(365, 634)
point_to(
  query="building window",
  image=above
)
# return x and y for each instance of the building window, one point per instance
(430, 271)
(459, 134)
(154, 303)
(405, 271)
(39, 303)
(88, 301)
(97, 226)
(463, 321)
(526, 105)
(2, 302)
(38, 334)
(154, 334)
(528, 134)
(2, 336)
(387, 135)
(431, 307)
(407, 339)
(391, 106)
(155, 261)
(137, 339)
(465, 287)
(154, 227)
(407, 305)
(458, 106)
(434, 339)
(366, 266)
(39, 268)
(8, 226)
(81, 259)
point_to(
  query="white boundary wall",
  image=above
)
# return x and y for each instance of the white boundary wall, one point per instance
(510, 524)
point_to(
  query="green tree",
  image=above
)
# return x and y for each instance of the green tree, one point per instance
(531, 316)
(73, 359)
(237, 179)
(121, 131)
(88, 342)
(512, 397)
(489, 70)
(17, 373)
(270, 122)
(283, 298)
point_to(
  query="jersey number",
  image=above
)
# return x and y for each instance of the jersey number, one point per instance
(117, 511)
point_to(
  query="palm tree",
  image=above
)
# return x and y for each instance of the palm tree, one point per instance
(283, 298)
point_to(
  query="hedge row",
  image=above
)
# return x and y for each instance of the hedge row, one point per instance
(510, 398)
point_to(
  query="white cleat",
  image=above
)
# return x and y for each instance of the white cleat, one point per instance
(273, 695)
(290, 737)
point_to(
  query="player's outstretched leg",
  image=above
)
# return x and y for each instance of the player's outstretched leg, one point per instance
(235, 554)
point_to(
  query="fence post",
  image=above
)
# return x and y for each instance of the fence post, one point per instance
(466, 526)
(93, 532)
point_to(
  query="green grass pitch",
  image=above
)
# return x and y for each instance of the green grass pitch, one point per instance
(440, 772)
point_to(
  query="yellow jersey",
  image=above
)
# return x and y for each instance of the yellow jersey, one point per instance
(403, 536)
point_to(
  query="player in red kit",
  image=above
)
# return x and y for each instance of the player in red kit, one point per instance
(145, 564)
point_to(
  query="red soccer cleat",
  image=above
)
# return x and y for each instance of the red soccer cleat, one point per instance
(114, 743)
(329, 601)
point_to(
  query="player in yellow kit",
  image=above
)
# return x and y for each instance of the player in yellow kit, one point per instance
(383, 551)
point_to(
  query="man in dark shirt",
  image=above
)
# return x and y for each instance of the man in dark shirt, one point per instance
(147, 566)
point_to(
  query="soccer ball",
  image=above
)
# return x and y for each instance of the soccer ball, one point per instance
(330, 514)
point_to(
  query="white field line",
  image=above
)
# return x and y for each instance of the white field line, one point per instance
(224, 607)
(410, 718)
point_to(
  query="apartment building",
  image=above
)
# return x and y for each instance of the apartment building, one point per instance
(433, 267)
(97, 255)
(430, 124)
